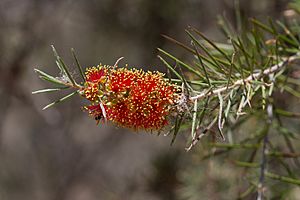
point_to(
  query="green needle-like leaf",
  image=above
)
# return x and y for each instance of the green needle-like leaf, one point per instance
(179, 44)
(60, 100)
(190, 82)
(63, 66)
(203, 67)
(251, 189)
(171, 68)
(292, 91)
(48, 90)
(178, 121)
(217, 62)
(226, 27)
(47, 77)
(262, 26)
(282, 178)
(180, 62)
(78, 64)
(212, 44)
(287, 113)
(246, 164)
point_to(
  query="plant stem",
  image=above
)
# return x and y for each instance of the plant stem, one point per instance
(250, 78)
(262, 169)
(263, 164)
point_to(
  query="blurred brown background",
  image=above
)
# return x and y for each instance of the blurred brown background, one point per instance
(61, 153)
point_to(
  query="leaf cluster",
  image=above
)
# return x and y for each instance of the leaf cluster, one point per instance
(65, 81)
(230, 85)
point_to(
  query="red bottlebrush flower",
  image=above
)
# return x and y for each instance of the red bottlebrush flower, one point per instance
(133, 98)
(91, 91)
(144, 99)
(94, 74)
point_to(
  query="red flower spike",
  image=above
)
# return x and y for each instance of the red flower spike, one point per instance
(94, 74)
(133, 98)
(91, 91)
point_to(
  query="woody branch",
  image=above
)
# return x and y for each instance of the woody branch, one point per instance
(254, 76)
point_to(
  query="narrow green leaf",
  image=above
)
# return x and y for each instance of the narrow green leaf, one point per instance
(185, 84)
(292, 91)
(203, 67)
(63, 66)
(211, 43)
(287, 40)
(171, 68)
(259, 44)
(213, 59)
(262, 26)
(246, 164)
(226, 27)
(47, 77)
(180, 62)
(187, 48)
(200, 83)
(285, 131)
(48, 90)
(239, 57)
(230, 71)
(275, 31)
(287, 113)
(61, 69)
(282, 178)
(284, 154)
(78, 64)
(179, 44)
(202, 114)
(60, 100)
(211, 70)
(244, 51)
(289, 33)
(178, 122)
(251, 189)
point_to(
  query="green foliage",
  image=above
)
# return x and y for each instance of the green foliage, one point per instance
(65, 81)
(232, 91)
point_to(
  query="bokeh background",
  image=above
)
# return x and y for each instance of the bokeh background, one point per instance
(61, 153)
